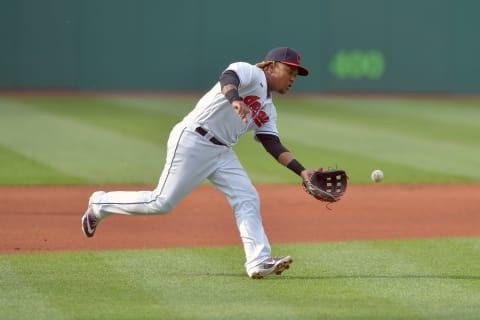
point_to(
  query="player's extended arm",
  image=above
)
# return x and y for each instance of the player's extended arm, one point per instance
(272, 144)
(324, 185)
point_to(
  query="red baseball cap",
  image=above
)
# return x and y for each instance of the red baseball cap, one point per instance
(287, 56)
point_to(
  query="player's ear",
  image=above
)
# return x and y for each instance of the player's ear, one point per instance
(271, 67)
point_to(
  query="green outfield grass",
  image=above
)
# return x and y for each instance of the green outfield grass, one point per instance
(415, 279)
(121, 139)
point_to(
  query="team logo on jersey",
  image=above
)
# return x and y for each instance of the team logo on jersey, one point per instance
(259, 116)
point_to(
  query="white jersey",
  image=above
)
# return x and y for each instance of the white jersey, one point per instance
(214, 112)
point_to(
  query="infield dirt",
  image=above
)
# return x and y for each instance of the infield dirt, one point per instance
(46, 219)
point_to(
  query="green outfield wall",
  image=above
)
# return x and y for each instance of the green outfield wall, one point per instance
(349, 45)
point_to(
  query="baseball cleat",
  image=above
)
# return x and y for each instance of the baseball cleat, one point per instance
(271, 265)
(89, 219)
(89, 222)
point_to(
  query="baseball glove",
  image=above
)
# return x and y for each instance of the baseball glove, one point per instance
(327, 185)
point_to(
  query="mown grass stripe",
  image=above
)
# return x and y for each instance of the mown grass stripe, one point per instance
(80, 286)
(145, 124)
(77, 148)
(24, 170)
(404, 149)
(178, 107)
(22, 299)
(458, 112)
(426, 118)
(406, 274)
(221, 273)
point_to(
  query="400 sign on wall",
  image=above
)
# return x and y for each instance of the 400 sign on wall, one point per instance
(356, 64)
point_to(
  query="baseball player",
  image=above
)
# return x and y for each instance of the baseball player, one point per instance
(200, 147)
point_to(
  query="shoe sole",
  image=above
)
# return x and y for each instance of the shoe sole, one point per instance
(282, 266)
(279, 268)
(257, 275)
(85, 226)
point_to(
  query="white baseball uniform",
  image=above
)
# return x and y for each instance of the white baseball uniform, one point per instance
(199, 148)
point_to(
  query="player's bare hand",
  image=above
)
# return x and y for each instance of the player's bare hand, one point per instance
(241, 109)
(307, 173)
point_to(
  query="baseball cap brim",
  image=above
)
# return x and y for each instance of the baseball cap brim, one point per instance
(302, 71)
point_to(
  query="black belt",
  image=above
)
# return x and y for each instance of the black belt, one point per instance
(213, 140)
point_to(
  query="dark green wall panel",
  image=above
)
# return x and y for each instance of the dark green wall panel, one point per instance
(349, 45)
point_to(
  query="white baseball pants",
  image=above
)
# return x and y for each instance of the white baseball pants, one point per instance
(191, 159)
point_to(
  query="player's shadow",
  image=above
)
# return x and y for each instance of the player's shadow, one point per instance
(287, 277)
(386, 276)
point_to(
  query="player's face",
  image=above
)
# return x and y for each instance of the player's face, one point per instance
(282, 77)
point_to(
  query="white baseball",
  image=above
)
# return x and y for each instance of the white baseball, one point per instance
(377, 175)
